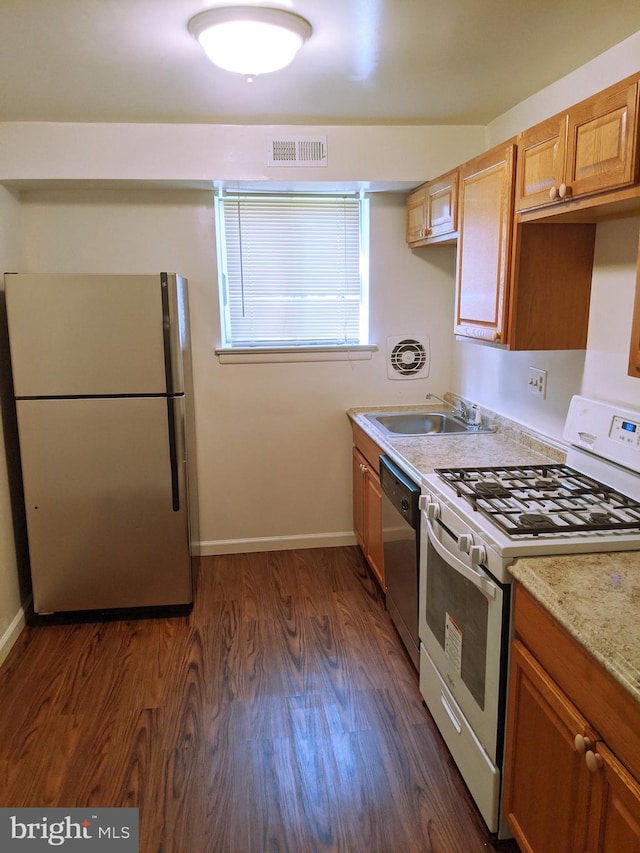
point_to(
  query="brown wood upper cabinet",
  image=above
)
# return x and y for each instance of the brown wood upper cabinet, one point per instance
(590, 149)
(524, 286)
(484, 241)
(432, 212)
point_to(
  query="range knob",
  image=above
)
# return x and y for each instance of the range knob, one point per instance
(465, 541)
(433, 511)
(477, 554)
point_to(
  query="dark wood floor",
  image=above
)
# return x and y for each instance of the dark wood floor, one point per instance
(281, 715)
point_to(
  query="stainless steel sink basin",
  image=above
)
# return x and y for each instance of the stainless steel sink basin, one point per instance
(420, 423)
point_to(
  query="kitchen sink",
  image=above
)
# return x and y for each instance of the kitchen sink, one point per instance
(420, 423)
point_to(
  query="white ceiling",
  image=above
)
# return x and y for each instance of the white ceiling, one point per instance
(367, 62)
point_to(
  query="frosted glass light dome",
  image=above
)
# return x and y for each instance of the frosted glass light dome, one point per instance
(250, 40)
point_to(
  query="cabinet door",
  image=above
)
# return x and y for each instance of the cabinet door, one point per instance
(540, 169)
(442, 207)
(615, 811)
(546, 782)
(416, 216)
(373, 521)
(634, 347)
(484, 244)
(601, 141)
(367, 513)
(359, 467)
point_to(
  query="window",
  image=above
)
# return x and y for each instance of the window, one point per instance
(293, 270)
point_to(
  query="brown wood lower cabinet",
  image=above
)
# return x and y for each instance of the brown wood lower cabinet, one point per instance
(367, 501)
(564, 789)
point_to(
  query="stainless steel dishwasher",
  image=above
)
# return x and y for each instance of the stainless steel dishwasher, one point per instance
(401, 537)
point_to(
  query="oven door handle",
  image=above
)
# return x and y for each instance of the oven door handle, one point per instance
(477, 579)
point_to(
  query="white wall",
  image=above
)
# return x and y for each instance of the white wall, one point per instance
(498, 379)
(14, 587)
(273, 440)
(50, 151)
(612, 295)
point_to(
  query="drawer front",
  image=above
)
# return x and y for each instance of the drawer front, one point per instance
(480, 774)
(367, 447)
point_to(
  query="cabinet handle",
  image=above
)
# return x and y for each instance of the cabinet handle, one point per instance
(563, 191)
(594, 761)
(582, 744)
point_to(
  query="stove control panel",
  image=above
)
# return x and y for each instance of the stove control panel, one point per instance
(626, 431)
(609, 431)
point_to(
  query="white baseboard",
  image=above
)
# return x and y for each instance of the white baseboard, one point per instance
(273, 543)
(8, 639)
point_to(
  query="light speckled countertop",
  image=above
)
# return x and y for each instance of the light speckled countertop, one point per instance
(596, 597)
(419, 455)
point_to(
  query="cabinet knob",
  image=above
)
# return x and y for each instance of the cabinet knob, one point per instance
(553, 193)
(582, 744)
(564, 191)
(594, 761)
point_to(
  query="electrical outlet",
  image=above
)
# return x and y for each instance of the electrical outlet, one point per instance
(538, 382)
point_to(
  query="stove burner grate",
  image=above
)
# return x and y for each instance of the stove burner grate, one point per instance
(538, 499)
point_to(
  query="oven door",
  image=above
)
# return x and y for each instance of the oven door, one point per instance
(464, 627)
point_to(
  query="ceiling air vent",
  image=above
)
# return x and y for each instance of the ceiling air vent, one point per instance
(297, 151)
(408, 357)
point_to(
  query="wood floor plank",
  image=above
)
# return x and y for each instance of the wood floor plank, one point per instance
(282, 714)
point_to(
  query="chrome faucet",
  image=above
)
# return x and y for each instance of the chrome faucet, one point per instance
(435, 397)
(466, 414)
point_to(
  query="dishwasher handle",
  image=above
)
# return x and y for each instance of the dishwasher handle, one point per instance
(478, 579)
(401, 491)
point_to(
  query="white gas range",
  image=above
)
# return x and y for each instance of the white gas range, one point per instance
(474, 523)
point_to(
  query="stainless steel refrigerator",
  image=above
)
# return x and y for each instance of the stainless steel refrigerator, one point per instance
(99, 365)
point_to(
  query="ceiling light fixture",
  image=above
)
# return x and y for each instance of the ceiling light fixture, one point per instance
(250, 40)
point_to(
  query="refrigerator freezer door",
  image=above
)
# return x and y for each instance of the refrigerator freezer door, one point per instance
(92, 335)
(107, 523)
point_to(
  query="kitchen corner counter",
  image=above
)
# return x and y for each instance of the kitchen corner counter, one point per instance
(596, 598)
(419, 455)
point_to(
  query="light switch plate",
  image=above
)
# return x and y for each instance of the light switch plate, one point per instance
(537, 382)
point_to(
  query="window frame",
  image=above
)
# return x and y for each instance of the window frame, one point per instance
(262, 351)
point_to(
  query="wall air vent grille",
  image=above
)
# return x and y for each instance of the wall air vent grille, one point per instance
(408, 357)
(297, 151)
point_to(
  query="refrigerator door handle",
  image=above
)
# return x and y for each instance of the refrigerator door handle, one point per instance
(166, 331)
(173, 455)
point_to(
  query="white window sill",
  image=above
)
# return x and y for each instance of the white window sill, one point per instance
(258, 355)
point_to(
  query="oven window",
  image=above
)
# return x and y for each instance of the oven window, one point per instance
(457, 615)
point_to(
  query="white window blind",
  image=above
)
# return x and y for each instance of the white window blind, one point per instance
(292, 270)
